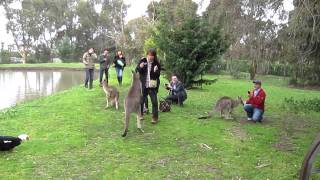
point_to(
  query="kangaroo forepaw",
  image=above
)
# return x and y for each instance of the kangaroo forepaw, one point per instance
(141, 130)
(124, 133)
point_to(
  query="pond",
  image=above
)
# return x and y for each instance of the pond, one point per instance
(19, 86)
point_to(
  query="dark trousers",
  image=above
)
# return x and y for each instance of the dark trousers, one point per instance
(178, 98)
(102, 71)
(89, 78)
(154, 100)
(8, 142)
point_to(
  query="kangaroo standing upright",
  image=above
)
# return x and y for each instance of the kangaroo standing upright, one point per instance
(112, 94)
(132, 103)
(225, 105)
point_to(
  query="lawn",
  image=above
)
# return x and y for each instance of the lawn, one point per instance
(74, 137)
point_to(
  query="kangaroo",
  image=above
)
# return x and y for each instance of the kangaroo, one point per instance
(112, 94)
(132, 103)
(223, 105)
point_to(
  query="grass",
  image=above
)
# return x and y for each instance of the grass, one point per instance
(73, 136)
(43, 65)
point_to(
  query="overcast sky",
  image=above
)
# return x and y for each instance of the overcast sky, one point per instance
(137, 8)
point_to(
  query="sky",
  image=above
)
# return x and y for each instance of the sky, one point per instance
(137, 8)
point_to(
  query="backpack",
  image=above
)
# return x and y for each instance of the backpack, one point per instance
(164, 106)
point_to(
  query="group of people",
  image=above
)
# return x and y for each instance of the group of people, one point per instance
(90, 58)
(149, 69)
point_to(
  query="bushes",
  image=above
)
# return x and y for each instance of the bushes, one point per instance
(236, 67)
(302, 105)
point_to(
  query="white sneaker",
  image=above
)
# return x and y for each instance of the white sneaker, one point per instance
(23, 137)
(249, 119)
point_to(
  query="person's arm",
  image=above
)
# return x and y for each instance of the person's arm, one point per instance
(124, 62)
(101, 59)
(140, 66)
(84, 59)
(259, 99)
(95, 57)
(157, 70)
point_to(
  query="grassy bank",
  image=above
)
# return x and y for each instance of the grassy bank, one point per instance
(73, 136)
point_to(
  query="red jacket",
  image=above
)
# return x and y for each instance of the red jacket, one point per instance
(258, 101)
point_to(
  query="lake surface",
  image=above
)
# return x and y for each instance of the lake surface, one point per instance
(19, 86)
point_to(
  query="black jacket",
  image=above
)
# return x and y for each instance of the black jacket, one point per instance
(123, 60)
(179, 90)
(154, 75)
(104, 61)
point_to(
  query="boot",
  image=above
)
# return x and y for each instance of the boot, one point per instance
(154, 120)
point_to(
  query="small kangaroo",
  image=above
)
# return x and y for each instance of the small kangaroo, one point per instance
(132, 103)
(112, 94)
(225, 105)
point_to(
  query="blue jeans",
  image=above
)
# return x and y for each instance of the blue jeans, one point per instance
(119, 72)
(89, 78)
(254, 113)
(119, 75)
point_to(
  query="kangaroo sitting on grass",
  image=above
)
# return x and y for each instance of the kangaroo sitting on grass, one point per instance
(132, 103)
(112, 94)
(225, 106)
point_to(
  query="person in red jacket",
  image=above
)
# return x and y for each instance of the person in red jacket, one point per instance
(255, 104)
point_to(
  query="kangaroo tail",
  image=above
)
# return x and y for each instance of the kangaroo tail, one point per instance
(126, 121)
(207, 117)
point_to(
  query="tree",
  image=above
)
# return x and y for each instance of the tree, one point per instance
(190, 45)
(304, 37)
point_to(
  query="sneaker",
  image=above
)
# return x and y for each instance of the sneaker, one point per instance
(249, 119)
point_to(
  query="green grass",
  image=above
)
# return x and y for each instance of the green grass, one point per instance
(44, 65)
(73, 136)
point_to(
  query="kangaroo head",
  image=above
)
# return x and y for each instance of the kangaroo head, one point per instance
(135, 75)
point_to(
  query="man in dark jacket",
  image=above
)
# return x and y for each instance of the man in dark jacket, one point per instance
(149, 69)
(178, 93)
(104, 61)
(8, 142)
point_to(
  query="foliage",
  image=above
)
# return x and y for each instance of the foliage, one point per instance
(190, 46)
(304, 105)
(65, 49)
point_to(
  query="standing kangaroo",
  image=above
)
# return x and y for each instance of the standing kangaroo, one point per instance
(112, 94)
(225, 105)
(132, 103)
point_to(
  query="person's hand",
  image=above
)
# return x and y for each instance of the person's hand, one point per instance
(155, 68)
(141, 65)
(250, 94)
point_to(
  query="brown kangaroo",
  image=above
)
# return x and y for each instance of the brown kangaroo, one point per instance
(225, 105)
(132, 103)
(112, 94)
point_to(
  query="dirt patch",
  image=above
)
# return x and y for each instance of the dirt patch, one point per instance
(239, 133)
(284, 143)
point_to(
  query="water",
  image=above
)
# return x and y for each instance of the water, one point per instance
(20, 86)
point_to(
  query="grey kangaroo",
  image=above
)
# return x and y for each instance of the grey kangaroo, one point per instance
(225, 106)
(112, 94)
(132, 103)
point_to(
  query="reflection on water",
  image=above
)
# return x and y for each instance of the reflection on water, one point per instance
(19, 86)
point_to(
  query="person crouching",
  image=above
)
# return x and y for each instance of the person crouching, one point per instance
(255, 104)
(177, 93)
(9, 142)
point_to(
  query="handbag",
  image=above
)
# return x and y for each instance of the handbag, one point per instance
(153, 84)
